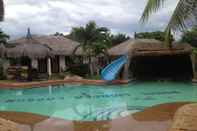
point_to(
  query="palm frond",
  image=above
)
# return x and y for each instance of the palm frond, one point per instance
(103, 29)
(151, 7)
(183, 14)
(168, 34)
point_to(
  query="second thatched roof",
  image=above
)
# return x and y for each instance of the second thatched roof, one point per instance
(59, 44)
(151, 47)
(31, 50)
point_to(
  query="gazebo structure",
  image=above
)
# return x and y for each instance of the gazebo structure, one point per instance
(148, 58)
(48, 54)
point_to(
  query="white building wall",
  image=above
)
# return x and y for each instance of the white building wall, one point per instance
(34, 63)
(62, 63)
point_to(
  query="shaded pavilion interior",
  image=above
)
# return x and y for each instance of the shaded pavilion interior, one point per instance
(162, 67)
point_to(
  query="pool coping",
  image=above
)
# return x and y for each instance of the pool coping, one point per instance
(37, 84)
(159, 114)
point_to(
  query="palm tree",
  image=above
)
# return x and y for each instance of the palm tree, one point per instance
(184, 12)
(93, 40)
(3, 37)
(1, 10)
(119, 38)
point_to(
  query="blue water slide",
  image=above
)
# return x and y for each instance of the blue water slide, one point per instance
(110, 72)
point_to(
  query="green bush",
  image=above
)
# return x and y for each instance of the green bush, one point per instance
(95, 77)
(81, 70)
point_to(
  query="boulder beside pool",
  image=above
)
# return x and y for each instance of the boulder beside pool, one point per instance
(6, 125)
(74, 77)
(185, 118)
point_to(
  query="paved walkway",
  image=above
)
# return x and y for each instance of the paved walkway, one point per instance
(185, 118)
(158, 118)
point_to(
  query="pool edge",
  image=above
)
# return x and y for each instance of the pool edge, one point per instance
(12, 85)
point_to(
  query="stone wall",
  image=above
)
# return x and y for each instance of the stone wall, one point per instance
(185, 119)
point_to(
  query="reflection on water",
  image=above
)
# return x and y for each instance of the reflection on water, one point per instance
(92, 103)
(91, 96)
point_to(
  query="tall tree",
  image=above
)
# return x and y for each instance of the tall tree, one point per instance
(1, 10)
(184, 12)
(3, 37)
(158, 35)
(58, 34)
(190, 36)
(93, 40)
(119, 38)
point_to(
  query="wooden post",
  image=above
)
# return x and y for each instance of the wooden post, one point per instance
(126, 69)
(62, 64)
(49, 66)
(34, 63)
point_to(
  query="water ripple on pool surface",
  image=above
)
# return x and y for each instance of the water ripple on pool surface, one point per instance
(85, 102)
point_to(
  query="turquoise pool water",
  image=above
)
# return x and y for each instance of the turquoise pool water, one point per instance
(85, 102)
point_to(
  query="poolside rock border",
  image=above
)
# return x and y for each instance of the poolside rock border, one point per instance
(11, 85)
(7, 125)
(160, 112)
(147, 121)
(185, 118)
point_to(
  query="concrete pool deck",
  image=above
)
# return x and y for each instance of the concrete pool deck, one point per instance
(156, 118)
(8, 85)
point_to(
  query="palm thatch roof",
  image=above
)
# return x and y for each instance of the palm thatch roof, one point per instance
(59, 44)
(29, 48)
(1, 10)
(144, 47)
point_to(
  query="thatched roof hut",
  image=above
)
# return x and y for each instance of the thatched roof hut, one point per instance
(29, 47)
(59, 45)
(148, 47)
(1, 10)
(31, 50)
(46, 53)
(150, 58)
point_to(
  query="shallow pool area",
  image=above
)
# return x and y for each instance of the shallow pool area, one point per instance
(92, 103)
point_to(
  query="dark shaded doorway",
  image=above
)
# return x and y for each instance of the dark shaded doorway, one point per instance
(55, 64)
(42, 65)
(161, 67)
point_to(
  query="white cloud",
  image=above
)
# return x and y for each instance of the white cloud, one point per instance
(50, 16)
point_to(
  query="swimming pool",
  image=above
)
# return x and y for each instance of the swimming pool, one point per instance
(85, 102)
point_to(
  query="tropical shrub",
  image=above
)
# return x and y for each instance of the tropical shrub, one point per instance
(158, 35)
(80, 70)
(190, 37)
(119, 38)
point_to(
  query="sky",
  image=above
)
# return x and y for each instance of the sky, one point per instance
(46, 17)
